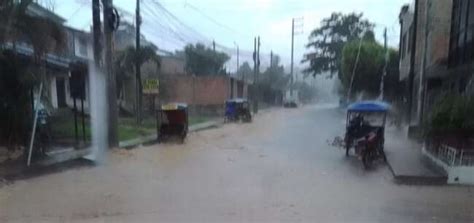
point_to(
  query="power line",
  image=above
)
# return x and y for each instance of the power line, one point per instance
(178, 21)
(77, 10)
(158, 22)
(212, 19)
(180, 29)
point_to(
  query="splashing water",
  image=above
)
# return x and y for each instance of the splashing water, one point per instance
(98, 112)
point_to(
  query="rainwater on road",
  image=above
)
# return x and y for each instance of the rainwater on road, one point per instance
(280, 168)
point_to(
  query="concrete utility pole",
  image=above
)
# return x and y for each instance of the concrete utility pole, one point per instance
(258, 71)
(349, 92)
(421, 83)
(111, 84)
(292, 49)
(256, 62)
(271, 59)
(97, 31)
(138, 83)
(299, 20)
(382, 81)
(238, 65)
(254, 89)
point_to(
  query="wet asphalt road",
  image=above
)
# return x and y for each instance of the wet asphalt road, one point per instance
(280, 168)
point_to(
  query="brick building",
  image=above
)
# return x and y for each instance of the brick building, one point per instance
(449, 69)
(204, 94)
(413, 28)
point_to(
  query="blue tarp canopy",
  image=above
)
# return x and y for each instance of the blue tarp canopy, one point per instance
(369, 106)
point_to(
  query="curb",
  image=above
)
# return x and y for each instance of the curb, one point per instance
(62, 159)
(151, 139)
(417, 180)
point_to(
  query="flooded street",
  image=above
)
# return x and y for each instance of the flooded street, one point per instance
(279, 168)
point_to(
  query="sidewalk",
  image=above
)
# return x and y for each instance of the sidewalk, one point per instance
(152, 137)
(67, 154)
(407, 163)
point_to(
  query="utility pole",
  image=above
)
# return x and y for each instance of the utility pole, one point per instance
(97, 31)
(349, 92)
(382, 81)
(214, 46)
(111, 84)
(238, 65)
(271, 59)
(421, 84)
(138, 83)
(254, 75)
(411, 74)
(258, 71)
(238, 62)
(292, 48)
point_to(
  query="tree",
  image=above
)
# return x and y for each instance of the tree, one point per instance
(125, 64)
(43, 34)
(272, 82)
(368, 73)
(48, 4)
(274, 76)
(306, 93)
(326, 42)
(245, 71)
(201, 60)
(17, 78)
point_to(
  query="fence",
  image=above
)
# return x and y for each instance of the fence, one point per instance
(452, 156)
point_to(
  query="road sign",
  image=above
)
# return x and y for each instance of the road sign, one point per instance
(151, 86)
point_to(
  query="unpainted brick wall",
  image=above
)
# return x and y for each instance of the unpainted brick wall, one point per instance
(209, 90)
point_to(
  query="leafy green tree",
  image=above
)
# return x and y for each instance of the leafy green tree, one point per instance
(326, 42)
(245, 71)
(306, 93)
(125, 68)
(273, 81)
(202, 60)
(44, 34)
(369, 70)
(274, 76)
(450, 121)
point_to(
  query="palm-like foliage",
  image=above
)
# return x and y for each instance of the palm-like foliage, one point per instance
(125, 63)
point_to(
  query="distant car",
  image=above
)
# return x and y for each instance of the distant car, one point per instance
(290, 104)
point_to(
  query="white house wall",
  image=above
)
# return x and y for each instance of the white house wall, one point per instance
(53, 92)
(456, 174)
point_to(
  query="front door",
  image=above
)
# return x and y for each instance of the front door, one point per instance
(61, 92)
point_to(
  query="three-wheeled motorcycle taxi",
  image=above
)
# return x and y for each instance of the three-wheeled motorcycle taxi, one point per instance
(237, 109)
(172, 120)
(365, 130)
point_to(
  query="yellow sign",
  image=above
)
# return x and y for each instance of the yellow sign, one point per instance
(169, 107)
(151, 86)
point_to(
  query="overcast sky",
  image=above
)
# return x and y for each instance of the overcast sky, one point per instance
(238, 21)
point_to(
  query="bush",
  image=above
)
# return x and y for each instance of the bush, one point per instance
(15, 100)
(452, 114)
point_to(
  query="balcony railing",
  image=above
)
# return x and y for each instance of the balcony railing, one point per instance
(452, 156)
